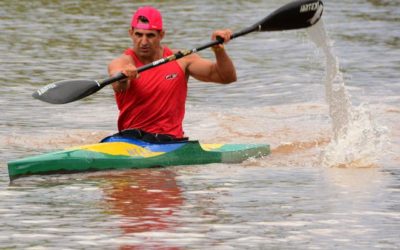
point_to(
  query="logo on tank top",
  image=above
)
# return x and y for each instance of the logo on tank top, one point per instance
(171, 76)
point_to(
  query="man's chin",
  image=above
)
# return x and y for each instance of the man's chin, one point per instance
(145, 52)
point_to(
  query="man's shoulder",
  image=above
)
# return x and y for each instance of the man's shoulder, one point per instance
(123, 58)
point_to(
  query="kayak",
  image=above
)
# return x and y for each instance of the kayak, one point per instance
(127, 153)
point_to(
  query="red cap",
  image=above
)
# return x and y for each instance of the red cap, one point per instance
(151, 14)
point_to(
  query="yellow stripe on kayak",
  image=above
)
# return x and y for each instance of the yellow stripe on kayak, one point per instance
(118, 148)
(210, 147)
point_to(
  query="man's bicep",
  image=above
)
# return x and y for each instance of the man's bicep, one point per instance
(201, 69)
(117, 64)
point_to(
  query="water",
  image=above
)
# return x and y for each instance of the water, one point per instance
(330, 113)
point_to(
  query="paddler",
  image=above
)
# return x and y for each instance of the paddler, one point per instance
(152, 105)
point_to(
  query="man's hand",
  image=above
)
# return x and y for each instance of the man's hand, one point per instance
(224, 34)
(130, 71)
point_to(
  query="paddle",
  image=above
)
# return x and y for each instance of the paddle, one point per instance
(294, 15)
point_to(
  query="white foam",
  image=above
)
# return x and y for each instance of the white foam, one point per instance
(358, 140)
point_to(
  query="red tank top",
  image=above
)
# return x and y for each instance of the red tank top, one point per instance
(155, 102)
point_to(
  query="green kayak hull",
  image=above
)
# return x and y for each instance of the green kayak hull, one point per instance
(133, 154)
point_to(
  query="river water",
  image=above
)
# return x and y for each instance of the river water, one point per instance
(330, 109)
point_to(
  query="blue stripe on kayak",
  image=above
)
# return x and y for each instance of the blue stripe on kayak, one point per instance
(154, 147)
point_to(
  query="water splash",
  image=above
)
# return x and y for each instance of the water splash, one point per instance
(357, 139)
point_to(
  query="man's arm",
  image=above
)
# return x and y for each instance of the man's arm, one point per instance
(125, 65)
(220, 71)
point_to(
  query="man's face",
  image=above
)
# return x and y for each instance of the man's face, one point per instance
(146, 42)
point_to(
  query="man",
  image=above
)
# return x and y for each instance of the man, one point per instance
(152, 104)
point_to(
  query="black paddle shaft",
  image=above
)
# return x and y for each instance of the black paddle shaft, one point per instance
(295, 15)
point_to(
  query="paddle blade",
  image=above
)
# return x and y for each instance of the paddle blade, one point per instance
(294, 15)
(66, 91)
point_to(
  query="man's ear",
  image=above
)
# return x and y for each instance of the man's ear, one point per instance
(162, 33)
(130, 31)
